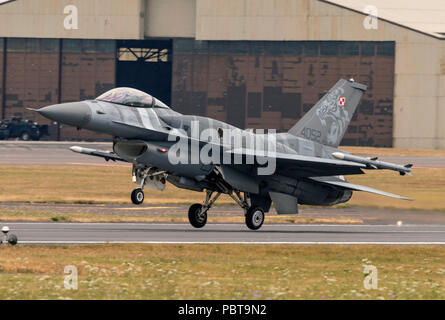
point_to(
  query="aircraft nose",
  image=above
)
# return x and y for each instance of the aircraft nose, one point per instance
(73, 113)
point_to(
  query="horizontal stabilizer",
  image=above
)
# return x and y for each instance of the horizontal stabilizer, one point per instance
(356, 187)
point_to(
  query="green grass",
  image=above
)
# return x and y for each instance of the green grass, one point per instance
(222, 272)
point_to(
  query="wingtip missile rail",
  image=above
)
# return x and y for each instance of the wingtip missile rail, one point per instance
(92, 152)
(373, 163)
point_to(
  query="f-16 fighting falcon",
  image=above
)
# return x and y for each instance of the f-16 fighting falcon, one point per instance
(302, 166)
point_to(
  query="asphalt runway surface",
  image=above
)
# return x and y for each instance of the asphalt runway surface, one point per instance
(58, 153)
(91, 233)
(49, 153)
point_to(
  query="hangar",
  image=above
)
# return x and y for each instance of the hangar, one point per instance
(252, 63)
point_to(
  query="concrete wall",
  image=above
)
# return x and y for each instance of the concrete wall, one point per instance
(98, 19)
(419, 93)
(170, 18)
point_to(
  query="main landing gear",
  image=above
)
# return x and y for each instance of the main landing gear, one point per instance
(254, 215)
(198, 212)
(254, 218)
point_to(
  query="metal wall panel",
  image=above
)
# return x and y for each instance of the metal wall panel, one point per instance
(1, 76)
(32, 76)
(88, 70)
(255, 84)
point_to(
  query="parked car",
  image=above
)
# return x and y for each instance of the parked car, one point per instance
(25, 130)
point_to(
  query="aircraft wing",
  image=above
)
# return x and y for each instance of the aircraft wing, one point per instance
(103, 154)
(350, 186)
(306, 166)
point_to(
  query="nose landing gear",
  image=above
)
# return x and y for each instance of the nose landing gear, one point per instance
(137, 196)
(146, 176)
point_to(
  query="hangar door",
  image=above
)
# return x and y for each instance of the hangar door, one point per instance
(146, 65)
(272, 84)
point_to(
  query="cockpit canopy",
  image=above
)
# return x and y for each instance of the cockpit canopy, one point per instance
(132, 98)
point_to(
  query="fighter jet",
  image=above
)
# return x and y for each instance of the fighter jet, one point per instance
(300, 167)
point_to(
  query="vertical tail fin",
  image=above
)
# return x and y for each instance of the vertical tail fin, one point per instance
(328, 120)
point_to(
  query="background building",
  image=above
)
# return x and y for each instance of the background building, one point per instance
(252, 63)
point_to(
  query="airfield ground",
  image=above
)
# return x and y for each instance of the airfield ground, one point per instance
(222, 272)
(101, 184)
(47, 182)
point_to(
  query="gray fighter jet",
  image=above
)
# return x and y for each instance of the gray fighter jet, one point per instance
(302, 166)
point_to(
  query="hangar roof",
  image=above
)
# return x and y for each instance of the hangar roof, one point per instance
(426, 16)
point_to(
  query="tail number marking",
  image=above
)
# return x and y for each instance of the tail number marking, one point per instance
(311, 134)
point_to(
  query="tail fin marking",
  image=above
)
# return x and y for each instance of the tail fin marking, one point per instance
(328, 120)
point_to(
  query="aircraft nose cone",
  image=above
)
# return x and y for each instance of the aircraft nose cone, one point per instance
(74, 113)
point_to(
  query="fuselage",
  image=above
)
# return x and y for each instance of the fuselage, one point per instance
(139, 133)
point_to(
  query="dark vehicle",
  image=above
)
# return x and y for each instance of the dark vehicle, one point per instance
(17, 127)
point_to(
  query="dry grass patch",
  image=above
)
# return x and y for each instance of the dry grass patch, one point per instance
(181, 217)
(222, 272)
(82, 184)
(426, 187)
(370, 151)
(85, 184)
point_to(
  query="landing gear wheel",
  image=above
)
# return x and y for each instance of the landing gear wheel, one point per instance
(254, 218)
(197, 217)
(137, 196)
(12, 239)
(25, 136)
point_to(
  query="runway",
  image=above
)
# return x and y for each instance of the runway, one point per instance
(58, 153)
(96, 233)
(49, 153)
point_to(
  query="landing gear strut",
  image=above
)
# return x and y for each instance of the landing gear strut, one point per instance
(254, 215)
(198, 212)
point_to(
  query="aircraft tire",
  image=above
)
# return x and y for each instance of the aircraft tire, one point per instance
(137, 196)
(254, 218)
(197, 218)
(25, 136)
